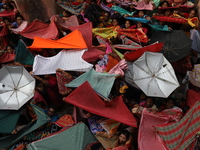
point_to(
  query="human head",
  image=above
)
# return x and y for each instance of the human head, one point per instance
(192, 13)
(9, 7)
(141, 13)
(6, 21)
(167, 12)
(164, 4)
(19, 20)
(51, 111)
(170, 103)
(128, 24)
(149, 102)
(124, 137)
(115, 22)
(66, 13)
(106, 16)
(9, 49)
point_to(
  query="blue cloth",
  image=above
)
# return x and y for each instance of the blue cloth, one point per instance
(15, 25)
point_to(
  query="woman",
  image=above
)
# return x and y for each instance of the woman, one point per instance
(18, 22)
(124, 140)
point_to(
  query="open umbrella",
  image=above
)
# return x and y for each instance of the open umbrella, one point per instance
(154, 75)
(177, 44)
(16, 87)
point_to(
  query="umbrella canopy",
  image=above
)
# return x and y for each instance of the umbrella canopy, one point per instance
(154, 75)
(16, 87)
(176, 44)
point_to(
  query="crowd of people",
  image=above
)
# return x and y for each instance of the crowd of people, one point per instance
(108, 18)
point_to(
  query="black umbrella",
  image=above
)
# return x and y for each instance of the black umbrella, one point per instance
(176, 44)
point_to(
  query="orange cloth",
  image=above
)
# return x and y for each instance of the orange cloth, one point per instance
(74, 40)
(111, 63)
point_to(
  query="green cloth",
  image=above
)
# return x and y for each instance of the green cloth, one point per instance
(118, 53)
(157, 27)
(100, 82)
(122, 11)
(8, 120)
(23, 55)
(7, 141)
(74, 138)
(156, 2)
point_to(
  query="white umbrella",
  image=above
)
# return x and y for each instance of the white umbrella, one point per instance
(154, 75)
(16, 87)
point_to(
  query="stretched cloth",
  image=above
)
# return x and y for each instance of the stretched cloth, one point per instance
(112, 61)
(118, 69)
(86, 98)
(135, 34)
(20, 28)
(65, 60)
(170, 19)
(40, 29)
(132, 56)
(125, 3)
(8, 120)
(195, 37)
(74, 138)
(74, 40)
(65, 121)
(192, 97)
(147, 134)
(142, 6)
(106, 33)
(107, 142)
(7, 58)
(142, 20)
(106, 8)
(122, 11)
(157, 27)
(61, 81)
(189, 21)
(10, 14)
(4, 30)
(72, 21)
(23, 55)
(74, 9)
(98, 81)
(178, 136)
(92, 53)
(7, 141)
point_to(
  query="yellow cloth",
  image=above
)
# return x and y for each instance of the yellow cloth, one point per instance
(188, 20)
(106, 33)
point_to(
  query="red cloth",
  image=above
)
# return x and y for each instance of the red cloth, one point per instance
(38, 98)
(170, 19)
(192, 97)
(86, 98)
(147, 134)
(132, 56)
(92, 53)
(135, 34)
(4, 30)
(7, 58)
(40, 29)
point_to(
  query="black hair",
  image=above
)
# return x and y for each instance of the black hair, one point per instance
(6, 18)
(163, 3)
(126, 133)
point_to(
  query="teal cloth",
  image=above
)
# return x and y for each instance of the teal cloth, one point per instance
(156, 2)
(23, 55)
(7, 141)
(157, 27)
(8, 120)
(100, 82)
(142, 20)
(74, 138)
(122, 11)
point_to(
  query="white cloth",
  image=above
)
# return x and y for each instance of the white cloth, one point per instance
(65, 60)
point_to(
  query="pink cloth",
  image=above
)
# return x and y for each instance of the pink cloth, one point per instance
(142, 6)
(108, 48)
(20, 28)
(118, 69)
(40, 29)
(148, 139)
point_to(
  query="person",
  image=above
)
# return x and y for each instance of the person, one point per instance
(127, 25)
(124, 140)
(18, 22)
(104, 20)
(10, 49)
(66, 14)
(51, 112)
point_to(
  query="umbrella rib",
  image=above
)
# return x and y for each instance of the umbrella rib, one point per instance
(141, 68)
(8, 99)
(20, 78)
(6, 84)
(10, 76)
(26, 84)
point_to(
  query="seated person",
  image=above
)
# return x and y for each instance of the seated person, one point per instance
(51, 112)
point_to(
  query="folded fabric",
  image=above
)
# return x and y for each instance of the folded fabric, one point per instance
(98, 81)
(72, 21)
(65, 60)
(143, 6)
(7, 58)
(106, 32)
(157, 27)
(65, 121)
(122, 11)
(118, 69)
